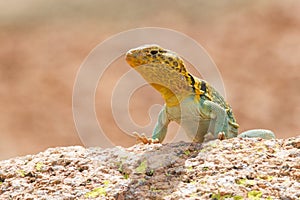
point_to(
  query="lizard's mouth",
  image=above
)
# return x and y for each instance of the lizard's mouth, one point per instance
(131, 59)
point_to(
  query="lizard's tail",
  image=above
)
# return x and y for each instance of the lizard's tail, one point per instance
(261, 133)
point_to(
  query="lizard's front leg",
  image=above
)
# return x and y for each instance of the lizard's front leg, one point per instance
(218, 116)
(161, 126)
(159, 132)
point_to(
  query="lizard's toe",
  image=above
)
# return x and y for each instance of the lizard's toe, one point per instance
(144, 139)
(221, 136)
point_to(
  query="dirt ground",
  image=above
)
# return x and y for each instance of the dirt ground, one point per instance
(255, 45)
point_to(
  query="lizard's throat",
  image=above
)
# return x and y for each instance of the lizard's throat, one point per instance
(170, 98)
(171, 84)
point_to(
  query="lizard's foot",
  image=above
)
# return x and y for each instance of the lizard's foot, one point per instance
(209, 136)
(221, 136)
(144, 139)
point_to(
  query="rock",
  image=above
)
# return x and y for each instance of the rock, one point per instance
(235, 168)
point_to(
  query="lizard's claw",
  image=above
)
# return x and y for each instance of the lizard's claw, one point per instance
(144, 139)
(221, 136)
(210, 136)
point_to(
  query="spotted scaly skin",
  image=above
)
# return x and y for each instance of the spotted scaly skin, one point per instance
(191, 102)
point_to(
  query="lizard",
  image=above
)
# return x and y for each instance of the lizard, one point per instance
(192, 102)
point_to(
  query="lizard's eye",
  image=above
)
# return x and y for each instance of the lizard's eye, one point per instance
(153, 52)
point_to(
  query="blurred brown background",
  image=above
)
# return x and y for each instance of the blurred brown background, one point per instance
(255, 44)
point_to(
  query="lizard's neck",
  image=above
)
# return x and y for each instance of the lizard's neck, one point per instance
(173, 85)
(171, 98)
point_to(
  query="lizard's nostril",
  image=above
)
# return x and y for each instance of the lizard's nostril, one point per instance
(153, 52)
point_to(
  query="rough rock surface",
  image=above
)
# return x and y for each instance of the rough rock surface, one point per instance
(228, 169)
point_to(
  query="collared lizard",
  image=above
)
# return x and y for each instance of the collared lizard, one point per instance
(191, 102)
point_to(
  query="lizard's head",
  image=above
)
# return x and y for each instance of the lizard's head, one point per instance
(162, 69)
(153, 55)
